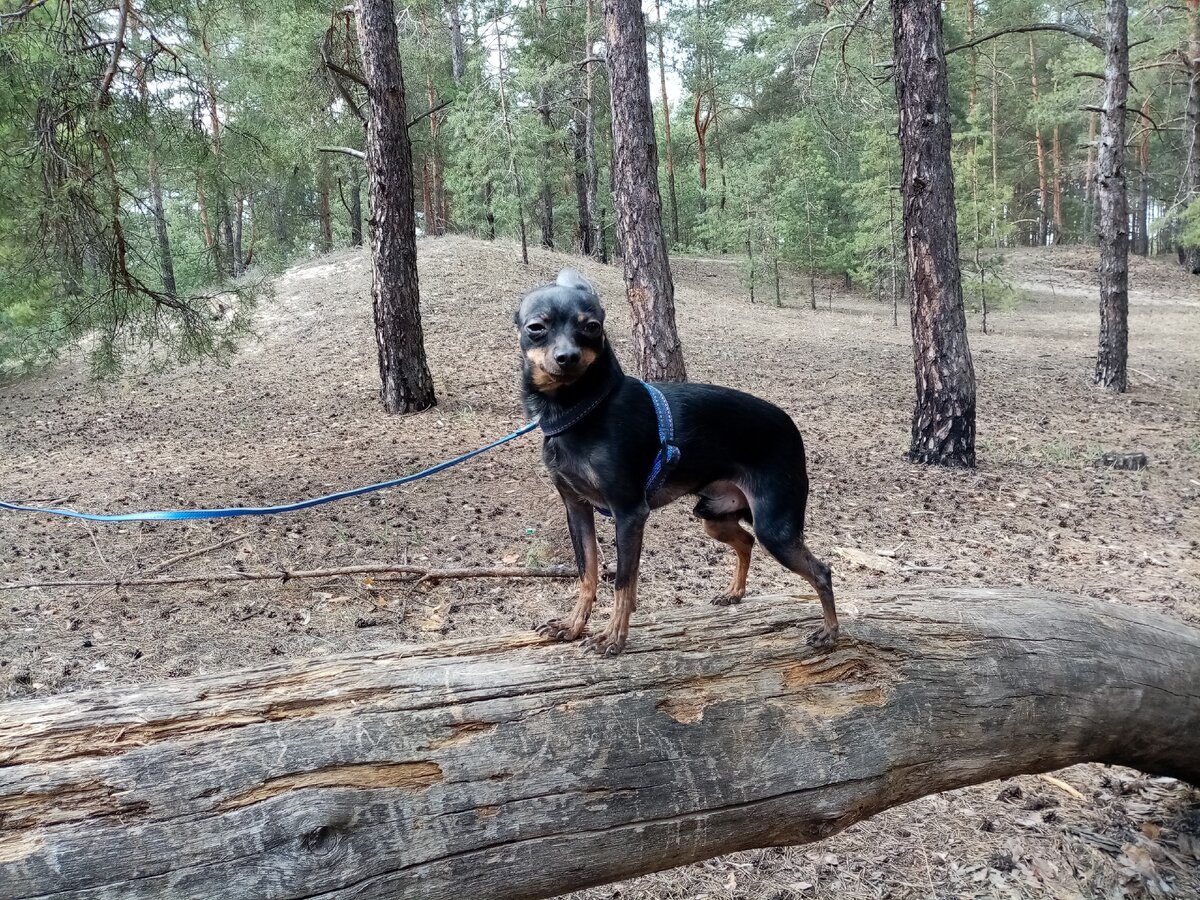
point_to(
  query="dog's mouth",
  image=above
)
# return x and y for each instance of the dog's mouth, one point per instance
(549, 375)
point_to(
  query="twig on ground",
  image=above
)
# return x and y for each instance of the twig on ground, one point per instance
(425, 573)
(1062, 786)
(166, 564)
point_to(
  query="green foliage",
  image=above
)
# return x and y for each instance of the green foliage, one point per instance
(797, 112)
(1189, 219)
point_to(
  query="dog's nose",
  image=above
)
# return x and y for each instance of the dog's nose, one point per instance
(566, 357)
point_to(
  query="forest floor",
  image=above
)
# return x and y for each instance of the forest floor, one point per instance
(296, 414)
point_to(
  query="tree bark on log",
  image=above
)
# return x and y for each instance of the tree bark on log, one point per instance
(636, 198)
(1112, 355)
(943, 425)
(406, 385)
(508, 767)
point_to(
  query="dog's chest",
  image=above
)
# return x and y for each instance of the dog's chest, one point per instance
(578, 473)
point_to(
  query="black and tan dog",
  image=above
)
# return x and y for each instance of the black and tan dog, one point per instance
(742, 456)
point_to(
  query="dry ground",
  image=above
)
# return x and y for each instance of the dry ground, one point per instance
(296, 415)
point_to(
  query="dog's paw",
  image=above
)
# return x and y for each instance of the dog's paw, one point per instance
(559, 630)
(605, 644)
(824, 637)
(727, 599)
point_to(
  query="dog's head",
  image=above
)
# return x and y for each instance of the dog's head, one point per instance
(562, 331)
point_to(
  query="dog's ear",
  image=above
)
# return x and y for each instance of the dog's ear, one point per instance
(570, 278)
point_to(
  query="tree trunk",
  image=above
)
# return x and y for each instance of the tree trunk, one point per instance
(666, 106)
(1089, 195)
(324, 211)
(1190, 186)
(894, 263)
(612, 176)
(943, 426)
(166, 258)
(239, 213)
(406, 383)
(437, 226)
(426, 195)
(1141, 218)
(592, 171)
(210, 235)
(509, 768)
(458, 49)
(512, 145)
(973, 87)
(356, 237)
(750, 248)
(214, 124)
(489, 213)
(579, 146)
(995, 155)
(1056, 157)
(720, 173)
(638, 203)
(231, 265)
(248, 260)
(603, 238)
(547, 188)
(279, 217)
(1042, 228)
(703, 96)
(1113, 353)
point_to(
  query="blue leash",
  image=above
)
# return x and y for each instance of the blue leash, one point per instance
(159, 515)
(668, 456)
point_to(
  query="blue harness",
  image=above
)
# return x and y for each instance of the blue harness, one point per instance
(668, 454)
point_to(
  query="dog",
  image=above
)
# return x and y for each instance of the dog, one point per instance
(741, 456)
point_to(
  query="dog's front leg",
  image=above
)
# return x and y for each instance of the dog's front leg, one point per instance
(631, 524)
(581, 520)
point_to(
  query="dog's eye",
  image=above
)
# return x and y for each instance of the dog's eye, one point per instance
(535, 329)
(591, 328)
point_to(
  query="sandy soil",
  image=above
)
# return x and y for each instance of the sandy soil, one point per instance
(296, 415)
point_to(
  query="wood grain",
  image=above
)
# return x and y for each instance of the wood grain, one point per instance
(513, 768)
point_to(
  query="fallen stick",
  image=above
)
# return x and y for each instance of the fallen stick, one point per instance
(285, 575)
(174, 560)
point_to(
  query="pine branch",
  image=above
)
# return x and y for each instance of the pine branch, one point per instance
(1084, 35)
(349, 151)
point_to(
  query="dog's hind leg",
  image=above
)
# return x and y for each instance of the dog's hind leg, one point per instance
(727, 530)
(780, 530)
(581, 520)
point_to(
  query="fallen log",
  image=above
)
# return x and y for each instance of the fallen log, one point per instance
(511, 768)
